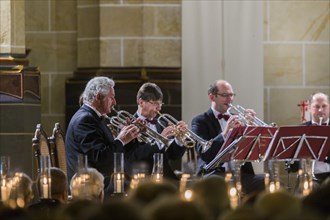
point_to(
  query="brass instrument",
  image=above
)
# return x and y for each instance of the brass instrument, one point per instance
(189, 138)
(149, 136)
(249, 119)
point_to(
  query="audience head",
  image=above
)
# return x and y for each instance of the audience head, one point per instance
(317, 202)
(211, 194)
(149, 191)
(221, 94)
(120, 209)
(21, 193)
(59, 185)
(175, 209)
(88, 184)
(79, 209)
(278, 205)
(240, 213)
(99, 93)
(319, 107)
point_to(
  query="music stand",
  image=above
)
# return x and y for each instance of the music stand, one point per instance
(245, 144)
(297, 142)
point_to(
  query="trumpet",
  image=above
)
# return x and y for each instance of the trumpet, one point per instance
(248, 119)
(148, 135)
(189, 138)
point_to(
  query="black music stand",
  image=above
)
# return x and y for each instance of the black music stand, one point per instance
(298, 142)
(244, 144)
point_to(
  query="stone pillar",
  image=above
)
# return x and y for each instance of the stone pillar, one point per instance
(12, 27)
(19, 90)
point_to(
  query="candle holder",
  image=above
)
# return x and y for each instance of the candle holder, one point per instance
(157, 170)
(186, 183)
(118, 173)
(45, 178)
(272, 177)
(80, 182)
(304, 178)
(139, 174)
(4, 176)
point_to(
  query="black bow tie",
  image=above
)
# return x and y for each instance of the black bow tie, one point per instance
(223, 116)
(151, 121)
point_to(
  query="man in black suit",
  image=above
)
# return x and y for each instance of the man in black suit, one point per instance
(319, 110)
(88, 134)
(213, 125)
(149, 100)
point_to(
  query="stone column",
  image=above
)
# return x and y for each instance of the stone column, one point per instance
(19, 89)
(12, 27)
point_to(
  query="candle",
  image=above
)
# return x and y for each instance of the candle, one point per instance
(4, 196)
(233, 197)
(118, 183)
(45, 191)
(45, 188)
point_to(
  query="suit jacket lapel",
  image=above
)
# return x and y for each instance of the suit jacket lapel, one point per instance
(214, 121)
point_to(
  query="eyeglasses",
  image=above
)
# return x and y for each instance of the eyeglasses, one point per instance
(226, 95)
(156, 103)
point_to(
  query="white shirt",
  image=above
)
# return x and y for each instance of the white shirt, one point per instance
(319, 166)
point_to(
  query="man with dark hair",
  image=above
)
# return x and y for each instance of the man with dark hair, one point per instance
(150, 100)
(58, 196)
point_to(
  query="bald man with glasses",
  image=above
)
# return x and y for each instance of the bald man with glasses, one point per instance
(214, 125)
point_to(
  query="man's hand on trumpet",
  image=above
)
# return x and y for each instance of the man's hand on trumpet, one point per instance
(172, 131)
(233, 122)
(128, 133)
(250, 115)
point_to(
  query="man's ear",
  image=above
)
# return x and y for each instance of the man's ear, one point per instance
(139, 101)
(211, 96)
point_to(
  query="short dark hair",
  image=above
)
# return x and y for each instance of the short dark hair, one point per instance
(149, 92)
(213, 88)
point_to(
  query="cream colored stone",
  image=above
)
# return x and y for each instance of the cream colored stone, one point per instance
(64, 15)
(57, 92)
(37, 15)
(133, 53)
(132, 1)
(110, 51)
(160, 1)
(121, 21)
(44, 93)
(43, 50)
(18, 27)
(299, 20)
(92, 2)
(66, 51)
(317, 65)
(164, 53)
(88, 53)
(283, 64)
(88, 22)
(162, 21)
(48, 122)
(266, 21)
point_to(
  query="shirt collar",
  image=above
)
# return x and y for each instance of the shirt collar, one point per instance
(326, 122)
(216, 113)
(94, 109)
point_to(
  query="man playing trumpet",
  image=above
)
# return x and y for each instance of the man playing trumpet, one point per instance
(214, 125)
(149, 100)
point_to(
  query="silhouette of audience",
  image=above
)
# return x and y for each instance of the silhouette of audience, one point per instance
(87, 184)
(148, 192)
(211, 194)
